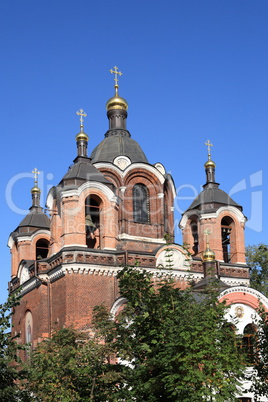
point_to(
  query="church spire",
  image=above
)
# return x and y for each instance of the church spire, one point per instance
(81, 138)
(35, 190)
(209, 166)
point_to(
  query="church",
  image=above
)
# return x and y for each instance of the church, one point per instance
(115, 208)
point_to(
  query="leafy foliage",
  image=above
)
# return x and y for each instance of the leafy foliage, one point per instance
(257, 259)
(71, 367)
(174, 345)
(10, 375)
(258, 373)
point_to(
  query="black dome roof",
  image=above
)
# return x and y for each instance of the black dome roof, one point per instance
(116, 143)
(35, 219)
(83, 170)
(213, 197)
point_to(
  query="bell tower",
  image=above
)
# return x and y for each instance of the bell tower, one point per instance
(215, 211)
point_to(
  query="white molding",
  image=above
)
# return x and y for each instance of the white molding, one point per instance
(123, 160)
(247, 290)
(117, 304)
(31, 236)
(91, 185)
(73, 245)
(133, 166)
(228, 208)
(10, 242)
(186, 216)
(235, 281)
(214, 215)
(50, 198)
(125, 236)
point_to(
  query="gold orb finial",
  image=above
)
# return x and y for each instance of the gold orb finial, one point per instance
(208, 254)
(116, 102)
(209, 162)
(35, 188)
(81, 136)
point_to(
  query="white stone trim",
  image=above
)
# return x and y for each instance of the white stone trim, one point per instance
(134, 165)
(125, 236)
(10, 242)
(49, 200)
(33, 235)
(186, 216)
(235, 281)
(247, 290)
(160, 167)
(91, 185)
(117, 304)
(29, 285)
(239, 215)
(74, 245)
(122, 160)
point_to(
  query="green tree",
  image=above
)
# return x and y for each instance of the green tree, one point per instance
(258, 373)
(71, 366)
(175, 345)
(257, 259)
(10, 374)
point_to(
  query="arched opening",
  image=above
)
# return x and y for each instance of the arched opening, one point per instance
(141, 205)
(226, 233)
(41, 249)
(244, 399)
(248, 343)
(28, 332)
(194, 233)
(92, 221)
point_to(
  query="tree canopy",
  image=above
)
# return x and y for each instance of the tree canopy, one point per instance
(175, 345)
(165, 344)
(257, 259)
(71, 366)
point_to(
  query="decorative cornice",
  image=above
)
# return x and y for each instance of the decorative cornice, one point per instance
(29, 285)
(235, 281)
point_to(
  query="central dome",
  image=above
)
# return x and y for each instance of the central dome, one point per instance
(117, 143)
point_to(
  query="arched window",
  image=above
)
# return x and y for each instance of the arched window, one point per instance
(141, 205)
(41, 249)
(28, 332)
(248, 343)
(226, 230)
(194, 232)
(92, 221)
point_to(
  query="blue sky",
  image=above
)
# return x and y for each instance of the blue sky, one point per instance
(192, 70)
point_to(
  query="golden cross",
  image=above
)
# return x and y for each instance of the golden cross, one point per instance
(209, 145)
(207, 232)
(116, 73)
(82, 114)
(36, 173)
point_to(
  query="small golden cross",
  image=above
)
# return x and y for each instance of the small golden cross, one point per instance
(36, 173)
(209, 145)
(116, 73)
(82, 114)
(207, 232)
